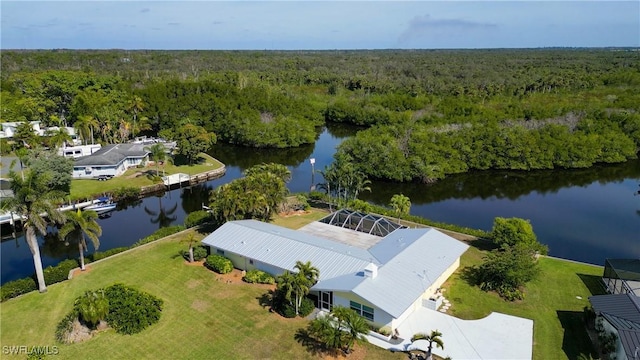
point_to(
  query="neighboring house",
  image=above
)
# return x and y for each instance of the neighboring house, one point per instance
(78, 151)
(111, 160)
(620, 315)
(385, 283)
(9, 128)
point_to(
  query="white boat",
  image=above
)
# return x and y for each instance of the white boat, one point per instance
(103, 205)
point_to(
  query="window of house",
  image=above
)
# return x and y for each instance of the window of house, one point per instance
(251, 261)
(220, 252)
(362, 310)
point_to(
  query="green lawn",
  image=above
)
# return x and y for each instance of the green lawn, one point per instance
(551, 301)
(135, 177)
(297, 221)
(202, 318)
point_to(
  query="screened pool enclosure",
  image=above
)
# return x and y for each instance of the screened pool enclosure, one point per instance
(622, 276)
(366, 223)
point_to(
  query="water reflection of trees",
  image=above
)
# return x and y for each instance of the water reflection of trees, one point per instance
(163, 216)
(194, 196)
(57, 248)
(244, 157)
(501, 184)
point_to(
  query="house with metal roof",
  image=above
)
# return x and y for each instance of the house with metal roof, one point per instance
(110, 160)
(619, 314)
(385, 283)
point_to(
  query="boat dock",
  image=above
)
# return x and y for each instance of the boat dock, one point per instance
(11, 218)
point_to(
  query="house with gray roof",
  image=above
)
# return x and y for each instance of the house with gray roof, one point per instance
(110, 160)
(619, 314)
(385, 283)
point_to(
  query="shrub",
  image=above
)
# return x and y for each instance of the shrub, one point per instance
(92, 307)
(65, 326)
(288, 311)
(258, 277)
(219, 264)
(385, 330)
(131, 310)
(60, 272)
(306, 307)
(196, 218)
(17, 288)
(126, 193)
(159, 234)
(98, 255)
(316, 195)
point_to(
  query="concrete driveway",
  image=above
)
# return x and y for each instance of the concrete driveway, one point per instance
(497, 336)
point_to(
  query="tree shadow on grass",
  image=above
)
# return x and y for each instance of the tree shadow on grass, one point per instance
(593, 283)
(576, 340)
(266, 300)
(313, 346)
(482, 244)
(471, 275)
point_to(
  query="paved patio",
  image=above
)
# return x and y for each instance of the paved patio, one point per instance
(497, 336)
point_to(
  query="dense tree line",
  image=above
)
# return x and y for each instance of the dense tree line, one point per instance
(431, 113)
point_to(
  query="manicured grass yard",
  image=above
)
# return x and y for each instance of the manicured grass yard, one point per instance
(135, 177)
(296, 221)
(202, 318)
(551, 301)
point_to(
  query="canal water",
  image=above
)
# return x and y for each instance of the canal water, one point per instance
(585, 215)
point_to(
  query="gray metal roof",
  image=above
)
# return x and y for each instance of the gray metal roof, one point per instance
(630, 340)
(408, 260)
(413, 259)
(112, 155)
(282, 247)
(623, 306)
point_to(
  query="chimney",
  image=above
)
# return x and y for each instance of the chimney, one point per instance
(371, 270)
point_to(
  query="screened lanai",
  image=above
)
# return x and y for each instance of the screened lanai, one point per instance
(622, 276)
(366, 223)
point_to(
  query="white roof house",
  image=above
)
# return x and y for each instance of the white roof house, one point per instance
(388, 280)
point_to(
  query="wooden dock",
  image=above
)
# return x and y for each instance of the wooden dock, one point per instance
(182, 180)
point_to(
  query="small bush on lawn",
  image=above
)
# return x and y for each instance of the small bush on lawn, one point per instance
(17, 288)
(306, 307)
(258, 277)
(92, 307)
(288, 311)
(197, 218)
(131, 310)
(219, 264)
(60, 272)
(199, 253)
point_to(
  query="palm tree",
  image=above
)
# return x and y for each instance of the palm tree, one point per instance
(85, 124)
(354, 326)
(159, 153)
(286, 284)
(32, 199)
(307, 277)
(80, 224)
(58, 137)
(192, 241)
(136, 105)
(400, 204)
(433, 337)
(93, 307)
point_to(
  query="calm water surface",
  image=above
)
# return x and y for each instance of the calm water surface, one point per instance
(585, 215)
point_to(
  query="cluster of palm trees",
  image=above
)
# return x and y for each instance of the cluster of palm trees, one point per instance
(37, 207)
(343, 180)
(340, 329)
(255, 196)
(293, 287)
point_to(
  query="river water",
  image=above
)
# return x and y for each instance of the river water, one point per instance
(585, 215)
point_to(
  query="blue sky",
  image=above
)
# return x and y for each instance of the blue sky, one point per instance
(317, 24)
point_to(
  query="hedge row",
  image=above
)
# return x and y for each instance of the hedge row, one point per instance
(258, 277)
(52, 275)
(60, 272)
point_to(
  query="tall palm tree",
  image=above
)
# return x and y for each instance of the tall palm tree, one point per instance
(85, 125)
(285, 285)
(80, 224)
(401, 204)
(433, 337)
(307, 277)
(32, 201)
(136, 105)
(158, 153)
